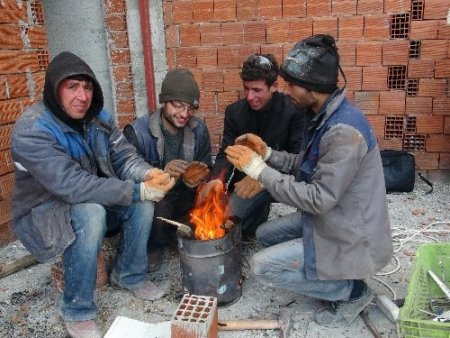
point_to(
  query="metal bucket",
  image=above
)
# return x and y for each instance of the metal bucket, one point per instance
(212, 267)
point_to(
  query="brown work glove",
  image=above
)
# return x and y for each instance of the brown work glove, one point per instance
(195, 173)
(247, 187)
(255, 143)
(176, 168)
(246, 160)
(213, 185)
(156, 187)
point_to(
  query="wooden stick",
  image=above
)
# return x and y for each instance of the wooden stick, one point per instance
(183, 228)
(8, 268)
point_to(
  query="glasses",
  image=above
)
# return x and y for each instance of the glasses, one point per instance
(261, 61)
(180, 107)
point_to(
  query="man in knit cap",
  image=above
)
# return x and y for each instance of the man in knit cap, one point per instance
(340, 233)
(175, 140)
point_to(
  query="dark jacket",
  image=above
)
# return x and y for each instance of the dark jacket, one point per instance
(282, 127)
(56, 165)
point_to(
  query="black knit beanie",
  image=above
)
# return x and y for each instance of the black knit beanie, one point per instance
(180, 85)
(313, 64)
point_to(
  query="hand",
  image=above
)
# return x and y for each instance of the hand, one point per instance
(176, 168)
(255, 143)
(151, 172)
(195, 173)
(213, 185)
(247, 187)
(246, 160)
(156, 187)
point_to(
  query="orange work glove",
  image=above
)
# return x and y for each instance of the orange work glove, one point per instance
(195, 173)
(246, 160)
(247, 187)
(255, 143)
(156, 187)
(213, 185)
(176, 168)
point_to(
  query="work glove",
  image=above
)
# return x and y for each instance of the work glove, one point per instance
(156, 187)
(213, 185)
(176, 168)
(151, 172)
(247, 187)
(246, 160)
(195, 173)
(255, 143)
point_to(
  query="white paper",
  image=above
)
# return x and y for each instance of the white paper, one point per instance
(124, 327)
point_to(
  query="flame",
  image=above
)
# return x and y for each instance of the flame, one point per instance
(209, 216)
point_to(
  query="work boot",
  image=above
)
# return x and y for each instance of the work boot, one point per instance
(342, 313)
(150, 291)
(155, 259)
(83, 329)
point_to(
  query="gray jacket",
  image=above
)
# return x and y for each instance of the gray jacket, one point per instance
(338, 185)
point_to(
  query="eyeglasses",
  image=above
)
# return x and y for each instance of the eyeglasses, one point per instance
(180, 107)
(260, 60)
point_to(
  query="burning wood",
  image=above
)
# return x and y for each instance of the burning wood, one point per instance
(183, 230)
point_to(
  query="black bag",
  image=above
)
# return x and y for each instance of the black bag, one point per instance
(399, 170)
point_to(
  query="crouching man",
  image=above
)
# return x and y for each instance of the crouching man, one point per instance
(75, 177)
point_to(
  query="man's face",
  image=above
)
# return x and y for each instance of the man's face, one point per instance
(75, 97)
(301, 97)
(258, 93)
(177, 114)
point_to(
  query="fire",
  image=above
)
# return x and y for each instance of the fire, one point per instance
(209, 216)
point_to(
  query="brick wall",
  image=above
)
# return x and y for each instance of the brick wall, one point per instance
(395, 54)
(23, 60)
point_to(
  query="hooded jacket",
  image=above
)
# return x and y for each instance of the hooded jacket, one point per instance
(338, 186)
(59, 161)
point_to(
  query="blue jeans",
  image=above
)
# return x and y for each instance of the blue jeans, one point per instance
(90, 222)
(281, 264)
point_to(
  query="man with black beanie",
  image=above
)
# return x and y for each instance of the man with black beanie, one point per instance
(340, 234)
(176, 140)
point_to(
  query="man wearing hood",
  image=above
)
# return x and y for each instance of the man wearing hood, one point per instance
(340, 234)
(75, 177)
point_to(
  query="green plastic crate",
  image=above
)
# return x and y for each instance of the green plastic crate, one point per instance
(422, 288)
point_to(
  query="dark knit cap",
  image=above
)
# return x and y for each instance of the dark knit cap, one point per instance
(180, 85)
(313, 64)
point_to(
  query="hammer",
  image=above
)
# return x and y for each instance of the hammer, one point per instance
(283, 324)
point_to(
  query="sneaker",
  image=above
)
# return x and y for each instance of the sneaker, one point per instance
(150, 291)
(342, 313)
(83, 329)
(155, 259)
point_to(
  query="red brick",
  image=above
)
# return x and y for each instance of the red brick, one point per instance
(326, 25)
(416, 105)
(116, 22)
(350, 27)
(443, 30)
(276, 50)
(419, 68)
(8, 61)
(377, 123)
(441, 106)
(430, 124)
(182, 12)
(37, 36)
(368, 103)
(247, 10)
(395, 52)
(232, 56)
(11, 12)
(318, 8)
(207, 57)
(120, 56)
(392, 102)
(28, 62)
(447, 125)
(224, 10)
(432, 87)
(171, 58)
(6, 233)
(396, 6)
(438, 144)
(208, 102)
(212, 80)
(347, 52)
(277, 31)
(214, 122)
(203, 10)
(10, 37)
(294, 8)
(114, 7)
(5, 136)
(168, 13)
(343, 7)
(391, 144)
(365, 7)
(300, 29)
(6, 166)
(125, 106)
(423, 29)
(175, 39)
(368, 53)
(189, 35)
(210, 34)
(354, 78)
(232, 80)
(444, 161)
(18, 85)
(124, 90)
(224, 99)
(232, 33)
(374, 78)
(38, 79)
(187, 57)
(426, 161)
(442, 68)
(3, 90)
(118, 40)
(376, 27)
(254, 32)
(270, 9)
(434, 49)
(435, 9)
(10, 110)
(124, 119)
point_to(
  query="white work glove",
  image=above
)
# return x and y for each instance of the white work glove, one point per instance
(155, 188)
(246, 160)
(255, 143)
